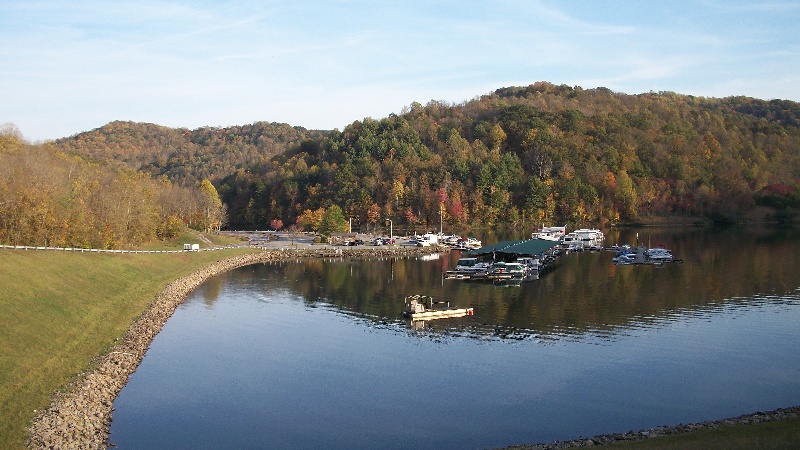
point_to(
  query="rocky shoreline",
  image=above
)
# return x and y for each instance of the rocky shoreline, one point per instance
(80, 417)
(606, 439)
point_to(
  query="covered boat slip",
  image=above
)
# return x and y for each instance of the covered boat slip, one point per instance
(527, 247)
(506, 260)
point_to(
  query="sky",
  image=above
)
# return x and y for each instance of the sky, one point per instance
(72, 66)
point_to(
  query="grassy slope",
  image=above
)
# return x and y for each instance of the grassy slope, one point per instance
(782, 434)
(58, 310)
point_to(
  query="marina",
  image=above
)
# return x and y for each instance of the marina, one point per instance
(510, 263)
(303, 353)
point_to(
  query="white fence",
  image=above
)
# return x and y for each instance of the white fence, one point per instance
(98, 250)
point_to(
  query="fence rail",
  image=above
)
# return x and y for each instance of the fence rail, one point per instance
(100, 250)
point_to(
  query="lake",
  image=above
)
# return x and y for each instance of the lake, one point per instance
(315, 353)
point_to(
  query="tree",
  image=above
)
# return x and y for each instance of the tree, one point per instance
(455, 209)
(212, 206)
(276, 224)
(333, 221)
(373, 214)
(310, 220)
(626, 196)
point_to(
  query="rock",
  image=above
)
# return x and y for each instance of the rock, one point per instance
(80, 418)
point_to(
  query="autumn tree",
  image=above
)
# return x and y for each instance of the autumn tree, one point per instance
(212, 207)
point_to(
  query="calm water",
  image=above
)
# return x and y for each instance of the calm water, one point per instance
(315, 354)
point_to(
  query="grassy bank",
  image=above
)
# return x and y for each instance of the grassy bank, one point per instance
(58, 310)
(781, 434)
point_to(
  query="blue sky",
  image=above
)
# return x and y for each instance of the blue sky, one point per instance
(72, 66)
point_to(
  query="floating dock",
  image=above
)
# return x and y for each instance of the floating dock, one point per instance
(416, 309)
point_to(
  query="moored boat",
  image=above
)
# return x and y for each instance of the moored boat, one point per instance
(583, 239)
(469, 244)
(468, 268)
(659, 254)
(506, 270)
(550, 233)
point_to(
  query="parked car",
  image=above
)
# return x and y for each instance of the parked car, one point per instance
(355, 242)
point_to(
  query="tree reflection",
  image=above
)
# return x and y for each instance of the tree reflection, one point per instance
(584, 294)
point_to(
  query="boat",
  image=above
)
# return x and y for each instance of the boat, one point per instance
(642, 255)
(550, 233)
(624, 259)
(583, 239)
(468, 268)
(451, 240)
(416, 309)
(532, 264)
(506, 271)
(658, 254)
(427, 240)
(469, 244)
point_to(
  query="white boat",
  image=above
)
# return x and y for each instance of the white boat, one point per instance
(469, 244)
(624, 258)
(550, 233)
(506, 270)
(427, 239)
(451, 240)
(467, 267)
(583, 239)
(659, 254)
(416, 309)
(532, 264)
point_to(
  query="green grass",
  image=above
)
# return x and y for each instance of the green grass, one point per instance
(58, 310)
(190, 237)
(781, 434)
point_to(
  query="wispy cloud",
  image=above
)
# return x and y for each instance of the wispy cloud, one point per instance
(324, 64)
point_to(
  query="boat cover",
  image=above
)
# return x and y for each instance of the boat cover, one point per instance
(525, 247)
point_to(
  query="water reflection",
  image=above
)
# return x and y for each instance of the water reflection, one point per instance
(582, 294)
(302, 354)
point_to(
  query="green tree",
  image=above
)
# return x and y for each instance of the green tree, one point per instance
(214, 213)
(626, 196)
(333, 221)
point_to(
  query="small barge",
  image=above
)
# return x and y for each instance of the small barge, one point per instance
(416, 309)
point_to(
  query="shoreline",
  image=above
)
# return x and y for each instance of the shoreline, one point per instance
(80, 416)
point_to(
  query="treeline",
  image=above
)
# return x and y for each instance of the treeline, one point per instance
(537, 154)
(540, 154)
(49, 198)
(186, 156)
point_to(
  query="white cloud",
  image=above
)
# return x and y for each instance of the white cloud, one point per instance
(69, 68)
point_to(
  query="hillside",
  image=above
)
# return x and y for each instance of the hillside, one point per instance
(540, 154)
(53, 199)
(186, 156)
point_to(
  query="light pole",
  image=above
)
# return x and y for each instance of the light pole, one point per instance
(391, 233)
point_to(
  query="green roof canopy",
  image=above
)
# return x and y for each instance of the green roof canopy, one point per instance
(524, 247)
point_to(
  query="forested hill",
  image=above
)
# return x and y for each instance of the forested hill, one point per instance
(542, 153)
(187, 156)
